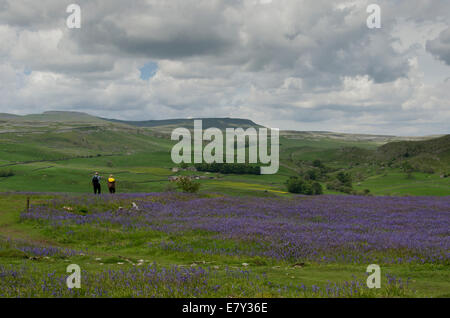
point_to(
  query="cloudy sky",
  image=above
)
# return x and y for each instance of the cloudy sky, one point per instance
(290, 64)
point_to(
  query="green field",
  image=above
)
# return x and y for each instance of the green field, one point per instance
(58, 155)
(141, 163)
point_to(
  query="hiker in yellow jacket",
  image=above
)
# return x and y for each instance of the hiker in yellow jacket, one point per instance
(111, 184)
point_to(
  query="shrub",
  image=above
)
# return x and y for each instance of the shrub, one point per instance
(6, 173)
(342, 183)
(312, 174)
(83, 209)
(301, 186)
(228, 168)
(336, 185)
(407, 168)
(345, 179)
(295, 185)
(187, 185)
(184, 165)
(318, 164)
(317, 188)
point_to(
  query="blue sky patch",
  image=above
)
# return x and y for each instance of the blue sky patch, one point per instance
(148, 70)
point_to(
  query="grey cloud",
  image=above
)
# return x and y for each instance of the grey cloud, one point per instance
(440, 47)
(334, 41)
(297, 62)
(417, 10)
(33, 14)
(164, 30)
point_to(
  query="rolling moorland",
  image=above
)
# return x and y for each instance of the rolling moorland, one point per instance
(50, 158)
(59, 151)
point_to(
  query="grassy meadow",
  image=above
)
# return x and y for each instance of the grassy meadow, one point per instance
(179, 245)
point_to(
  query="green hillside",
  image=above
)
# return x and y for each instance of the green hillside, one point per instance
(166, 126)
(59, 151)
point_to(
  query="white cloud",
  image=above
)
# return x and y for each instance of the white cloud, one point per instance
(298, 64)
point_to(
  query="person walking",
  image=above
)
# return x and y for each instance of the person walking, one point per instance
(111, 184)
(96, 183)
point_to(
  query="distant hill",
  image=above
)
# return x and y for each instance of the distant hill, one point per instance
(407, 149)
(63, 116)
(54, 116)
(221, 123)
(429, 156)
(165, 126)
(162, 125)
(4, 116)
(378, 139)
(397, 150)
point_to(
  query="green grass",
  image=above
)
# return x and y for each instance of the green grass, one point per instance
(148, 171)
(397, 183)
(59, 152)
(62, 156)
